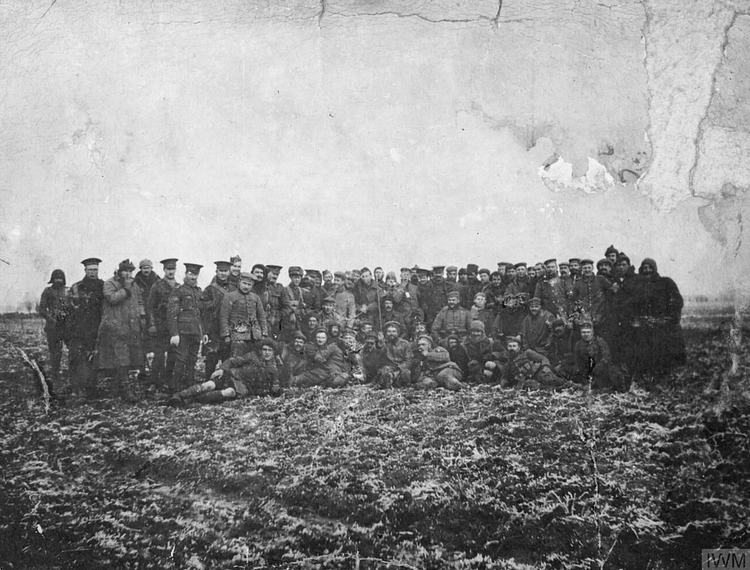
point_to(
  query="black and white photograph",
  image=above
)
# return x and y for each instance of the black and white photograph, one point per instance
(374, 284)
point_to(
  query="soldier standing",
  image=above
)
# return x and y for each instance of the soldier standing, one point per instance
(87, 297)
(215, 349)
(119, 345)
(158, 330)
(293, 306)
(277, 300)
(185, 324)
(242, 320)
(55, 307)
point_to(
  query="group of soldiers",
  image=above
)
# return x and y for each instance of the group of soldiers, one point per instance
(546, 324)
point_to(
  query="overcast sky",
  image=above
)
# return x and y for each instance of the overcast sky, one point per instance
(127, 136)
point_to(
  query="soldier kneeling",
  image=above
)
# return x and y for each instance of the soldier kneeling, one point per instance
(248, 374)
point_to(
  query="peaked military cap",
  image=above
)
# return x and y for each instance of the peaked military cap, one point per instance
(245, 276)
(295, 270)
(550, 260)
(588, 261)
(503, 264)
(406, 269)
(193, 268)
(462, 271)
(520, 264)
(535, 301)
(472, 268)
(365, 269)
(563, 264)
(511, 338)
(484, 270)
(274, 268)
(313, 273)
(330, 300)
(340, 274)
(222, 265)
(421, 271)
(91, 261)
(451, 268)
(455, 294)
(169, 263)
(438, 269)
(574, 259)
(605, 261)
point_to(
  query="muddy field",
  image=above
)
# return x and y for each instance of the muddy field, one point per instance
(357, 478)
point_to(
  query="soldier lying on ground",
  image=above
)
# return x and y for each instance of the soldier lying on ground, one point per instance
(247, 375)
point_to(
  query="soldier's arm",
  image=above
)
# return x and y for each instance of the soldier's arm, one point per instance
(113, 293)
(44, 305)
(151, 303)
(262, 319)
(286, 303)
(224, 311)
(173, 309)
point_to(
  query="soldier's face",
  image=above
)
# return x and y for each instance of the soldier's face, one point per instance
(484, 277)
(266, 353)
(531, 272)
(321, 338)
(575, 266)
(587, 334)
(510, 272)
(423, 346)
(539, 267)
(452, 343)
(366, 327)
(312, 323)
(501, 269)
(587, 270)
(295, 279)
(391, 333)
(122, 274)
(535, 309)
(476, 335)
(496, 279)
(437, 277)
(236, 268)
(327, 308)
(190, 278)
(92, 271)
(420, 328)
(521, 271)
(272, 277)
(551, 268)
(317, 280)
(258, 272)
(646, 269)
(405, 276)
(391, 282)
(423, 279)
(299, 344)
(366, 277)
(480, 301)
(338, 281)
(564, 270)
(169, 273)
(379, 274)
(452, 302)
(334, 331)
(328, 277)
(245, 285)
(222, 274)
(462, 278)
(513, 347)
(612, 257)
(452, 274)
(388, 305)
(558, 331)
(147, 269)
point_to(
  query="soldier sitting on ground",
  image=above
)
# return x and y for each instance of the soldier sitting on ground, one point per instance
(250, 374)
(398, 358)
(326, 365)
(593, 362)
(435, 367)
(528, 369)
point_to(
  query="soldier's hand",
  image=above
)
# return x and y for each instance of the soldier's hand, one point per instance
(227, 340)
(152, 330)
(175, 340)
(218, 373)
